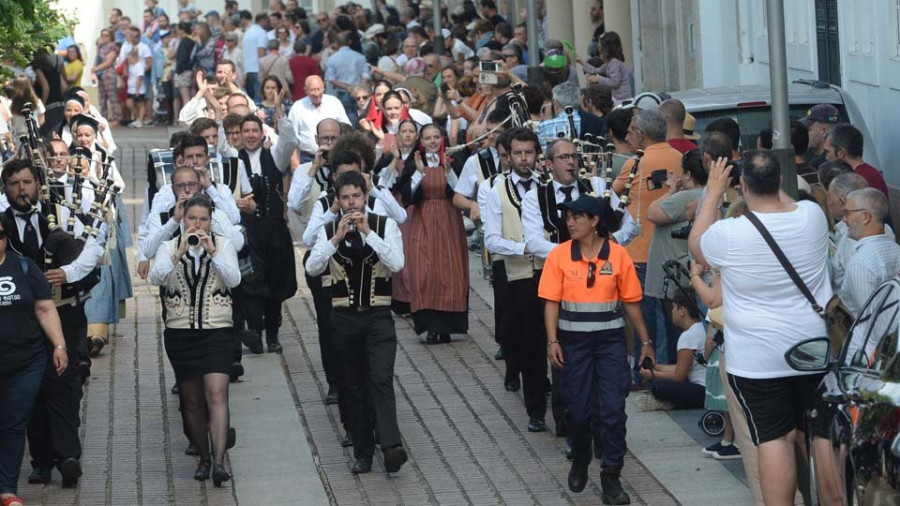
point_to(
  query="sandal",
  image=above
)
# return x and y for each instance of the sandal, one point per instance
(12, 500)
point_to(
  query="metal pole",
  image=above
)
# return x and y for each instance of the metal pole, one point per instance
(513, 12)
(438, 36)
(535, 75)
(778, 81)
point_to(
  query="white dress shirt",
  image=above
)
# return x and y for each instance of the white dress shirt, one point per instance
(219, 193)
(389, 249)
(281, 153)
(159, 232)
(385, 204)
(305, 117)
(845, 249)
(225, 262)
(533, 222)
(493, 218)
(875, 259)
(301, 186)
(432, 161)
(468, 178)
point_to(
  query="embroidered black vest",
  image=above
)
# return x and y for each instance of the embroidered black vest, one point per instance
(358, 278)
(554, 224)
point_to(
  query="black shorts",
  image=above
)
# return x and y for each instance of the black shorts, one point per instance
(136, 98)
(775, 406)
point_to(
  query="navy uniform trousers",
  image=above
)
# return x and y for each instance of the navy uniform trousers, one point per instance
(595, 382)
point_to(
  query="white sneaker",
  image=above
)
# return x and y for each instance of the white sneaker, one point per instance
(137, 124)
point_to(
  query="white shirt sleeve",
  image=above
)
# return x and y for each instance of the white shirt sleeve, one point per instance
(157, 234)
(320, 254)
(87, 261)
(162, 267)
(301, 186)
(468, 178)
(628, 229)
(415, 181)
(287, 144)
(246, 187)
(483, 190)
(389, 205)
(142, 230)
(222, 225)
(533, 226)
(493, 228)
(714, 244)
(317, 220)
(194, 109)
(224, 148)
(389, 249)
(226, 263)
(224, 201)
(452, 179)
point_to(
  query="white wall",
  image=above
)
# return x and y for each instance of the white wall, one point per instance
(734, 49)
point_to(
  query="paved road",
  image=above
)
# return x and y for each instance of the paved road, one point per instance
(465, 434)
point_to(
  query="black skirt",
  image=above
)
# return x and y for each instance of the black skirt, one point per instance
(441, 322)
(195, 353)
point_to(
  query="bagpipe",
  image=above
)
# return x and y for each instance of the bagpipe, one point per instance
(62, 245)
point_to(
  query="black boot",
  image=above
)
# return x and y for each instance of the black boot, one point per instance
(578, 475)
(252, 339)
(40, 475)
(272, 342)
(613, 493)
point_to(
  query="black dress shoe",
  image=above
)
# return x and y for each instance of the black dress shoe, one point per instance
(332, 396)
(394, 458)
(578, 476)
(499, 355)
(70, 469)
(191, 450)
(613, 493)
(40, 475)
(231, 438)
(513, 386)
(536, 425)
(175, 390)
(361, 466)
(274, 346)
(219, 475)
(237, 370)
(202, 472)
(84, 371)
(431, 338)
(347, 441)
(252, 339)
(444, 338)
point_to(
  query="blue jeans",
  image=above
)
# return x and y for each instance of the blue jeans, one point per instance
(595, 383)
(649, 311)
(251, 85)
(18, 392)
(349, 105)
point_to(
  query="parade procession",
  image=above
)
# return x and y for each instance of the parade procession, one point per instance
(447, 252)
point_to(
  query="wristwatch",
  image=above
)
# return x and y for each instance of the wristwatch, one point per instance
(646, 343)
(61, 347)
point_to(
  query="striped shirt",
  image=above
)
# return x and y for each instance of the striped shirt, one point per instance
(875, 259)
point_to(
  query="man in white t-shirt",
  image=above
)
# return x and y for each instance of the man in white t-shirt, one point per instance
(765, 313)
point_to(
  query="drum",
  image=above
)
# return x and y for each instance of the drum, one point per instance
(162, 165)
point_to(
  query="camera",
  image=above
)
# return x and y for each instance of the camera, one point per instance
(647, 363)
(682, 233)
(444, 88)
(488, 78)
(193, 240)
(657, 179)
(488, 66)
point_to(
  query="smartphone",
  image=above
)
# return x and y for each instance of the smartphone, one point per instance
(657, 179)
(444, 88)
(488, 66)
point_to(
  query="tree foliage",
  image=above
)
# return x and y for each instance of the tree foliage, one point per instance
(27, 26)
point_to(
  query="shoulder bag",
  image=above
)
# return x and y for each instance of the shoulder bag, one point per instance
(838, 319)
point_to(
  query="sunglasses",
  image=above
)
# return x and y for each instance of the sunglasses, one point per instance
(591, 277)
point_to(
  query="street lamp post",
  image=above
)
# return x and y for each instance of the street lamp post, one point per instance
(438, 41)
(535, 75)
(778, 82)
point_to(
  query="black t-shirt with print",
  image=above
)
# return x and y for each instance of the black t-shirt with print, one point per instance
(21, 337)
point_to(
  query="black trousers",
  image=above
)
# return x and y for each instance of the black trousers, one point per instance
(53, 427)
(263, 313)
(367, 344)
(525, 343)
(237, 319)
(322, 302)
(498, 272)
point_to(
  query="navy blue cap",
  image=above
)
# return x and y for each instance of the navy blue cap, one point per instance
(592, 206)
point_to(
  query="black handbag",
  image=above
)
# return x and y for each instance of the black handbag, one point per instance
(838, 319)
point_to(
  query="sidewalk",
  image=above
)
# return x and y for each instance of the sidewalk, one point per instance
(464, 433)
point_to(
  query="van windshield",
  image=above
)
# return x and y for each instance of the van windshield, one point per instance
(752, 119)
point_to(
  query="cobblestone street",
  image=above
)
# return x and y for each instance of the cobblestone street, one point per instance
(464, 433)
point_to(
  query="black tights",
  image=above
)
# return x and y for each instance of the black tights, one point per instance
(204, 407)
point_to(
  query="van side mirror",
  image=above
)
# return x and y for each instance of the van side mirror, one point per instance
(811, 355)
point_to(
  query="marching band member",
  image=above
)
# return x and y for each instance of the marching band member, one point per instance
(102, 309)
(53, 427)
(364, 329)
(263, 214)
(480, 166)
(522, 326)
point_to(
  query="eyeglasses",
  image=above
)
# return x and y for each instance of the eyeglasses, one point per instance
(322, 20)
(363, 97)
(328, 139)
(186, 186)
(847, 211)
(509, 56)
(565, 156)
(234, 132)
(590, 277)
